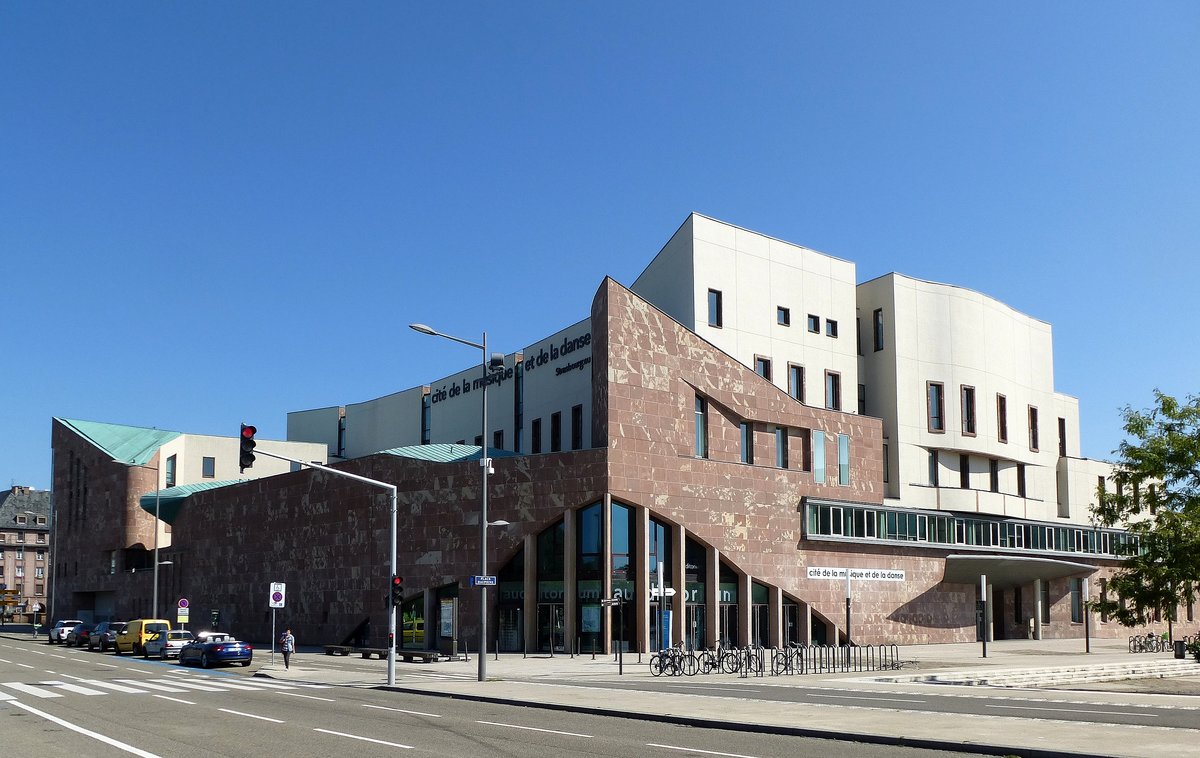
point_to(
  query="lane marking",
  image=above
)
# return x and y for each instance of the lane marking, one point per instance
(29, 689)
(194, 686)
(308, 697)
(252, 716)
(77, 689)
(697, 750)
(703, 687)
(401, 710)
(87, 732)
(534, 729)
(1073, 710)
(862, 697)
(175, 699)
(151, 685)
(364, 739)
(25, 665)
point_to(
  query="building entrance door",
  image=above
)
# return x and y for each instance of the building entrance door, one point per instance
(998, 631)
(511, 630)
(551, 625)
(727, 617)
(791, 624)
(694, 632)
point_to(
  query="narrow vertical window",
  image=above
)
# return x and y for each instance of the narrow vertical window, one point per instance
(498, 439)
(426, 413)
(878, 329)
(762, 367)
(796, 382)
(715, 317)
(818, 456)
(747, 442)
(806, 440)
(933, 468)
(968, 410)
(994, 474)
(886, 464)
(783, 316)
(577, 427)
(844, 459)
(1020, 480)
(701, 428)
(1002, 418)
(831, 329)
(1045, 601)
(936, 406)
(1033, 428)
(555, 432)
(170, 472)
(858, 336)
(964, 472)
(814, 323)
(518, 406)
(1076, 600)
(781, 446)
(862, 399)
(833, 390)
(1062, 438)
(535, 436)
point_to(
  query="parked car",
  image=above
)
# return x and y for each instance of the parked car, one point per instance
(79, 635)
(62, 627)
(136, 633)
(168, 644)
(104, 636)
(215, 647)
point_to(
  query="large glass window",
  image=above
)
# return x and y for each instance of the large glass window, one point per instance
(624, 573)
(818, 456)
(715, 317)
(727, 600)
(781, 447)
(551, 623)
(658, 547)
(695, 583)
(701, 427)
(843, 459)
(589, 576)
(936, 405)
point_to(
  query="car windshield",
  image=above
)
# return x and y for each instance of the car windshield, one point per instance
(180, 635)
(156, 627)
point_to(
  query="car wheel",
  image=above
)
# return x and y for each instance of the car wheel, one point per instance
(204, 660)
(163, 654)
(245, 663)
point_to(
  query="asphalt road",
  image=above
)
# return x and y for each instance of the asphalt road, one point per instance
(56, 702)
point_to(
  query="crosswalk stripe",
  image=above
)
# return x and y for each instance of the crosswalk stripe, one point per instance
(268, 685)
(152, 685)
(77, 689)
(6, 696)
(114, 686)
(194, 686)
(29, 689)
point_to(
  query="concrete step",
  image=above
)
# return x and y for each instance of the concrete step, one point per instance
(1048, 676)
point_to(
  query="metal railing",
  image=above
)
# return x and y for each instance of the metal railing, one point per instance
(790, 660)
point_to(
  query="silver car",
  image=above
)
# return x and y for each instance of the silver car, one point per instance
(167, 644)
(104, 636)
(61, 628)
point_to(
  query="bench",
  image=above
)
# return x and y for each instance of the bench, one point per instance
(365, 652)
(337, 650)
(419, 656)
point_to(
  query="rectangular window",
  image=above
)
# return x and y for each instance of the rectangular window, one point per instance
(936, 406)
(170, 472)
(858, 336)
(426, 418)
(968, 410)
(714, 309)
(933, 468)
(1020, 480)
(208, 467)
(830, 328)
(1062, 438)
(886, 464)
(701, 428)
(805, 450)
(555, 431)
(796, 382)
(818, 456)
(994, 472)
(1033, 428)
(814, 323)
(747, 442)
(1077, 601)
(478, 440)
(762, 367)
(1002, 418)
(964, 472)
(577, 427)
(535, 436)
(783, 316)
(878, 329)
(844, 460)
(498, 439)
(862, 399)
(781, 446)
(833, 390)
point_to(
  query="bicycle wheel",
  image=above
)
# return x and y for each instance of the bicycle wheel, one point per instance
(731, 663)
(656, 665)
(779, 662)
(690, 665)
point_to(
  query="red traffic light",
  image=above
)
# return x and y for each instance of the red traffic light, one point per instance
(248, 431)
(397, 581)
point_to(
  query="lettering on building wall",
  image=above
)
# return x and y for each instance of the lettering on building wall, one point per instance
(543, 358)
(856, 574)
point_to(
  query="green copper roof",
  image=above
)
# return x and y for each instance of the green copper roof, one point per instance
(171, 499)
(134, 445)
(445, 453)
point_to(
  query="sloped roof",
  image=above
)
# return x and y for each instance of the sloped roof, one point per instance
(445, 453)
(134, 445)
(171, 499)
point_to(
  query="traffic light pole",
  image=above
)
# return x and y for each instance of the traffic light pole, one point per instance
(391, 488)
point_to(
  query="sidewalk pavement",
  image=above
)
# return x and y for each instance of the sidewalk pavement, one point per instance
(547, 682)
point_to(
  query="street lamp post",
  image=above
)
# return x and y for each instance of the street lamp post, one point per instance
(490, 363)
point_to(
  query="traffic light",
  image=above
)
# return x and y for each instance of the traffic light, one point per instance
(215, 615)
(246, 460)
(397, 590)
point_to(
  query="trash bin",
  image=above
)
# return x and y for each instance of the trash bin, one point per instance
(1179, 651)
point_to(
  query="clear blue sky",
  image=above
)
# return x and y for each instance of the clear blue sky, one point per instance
(223, 211)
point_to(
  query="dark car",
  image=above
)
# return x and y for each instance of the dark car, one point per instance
(79, 635)
(212, 648)
(104, 636)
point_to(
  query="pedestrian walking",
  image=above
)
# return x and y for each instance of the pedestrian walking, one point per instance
(287, 643)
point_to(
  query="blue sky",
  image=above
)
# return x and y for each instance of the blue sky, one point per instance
(216, 212)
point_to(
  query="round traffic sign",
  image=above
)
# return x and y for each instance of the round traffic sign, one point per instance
(277, 596)
(183, 603)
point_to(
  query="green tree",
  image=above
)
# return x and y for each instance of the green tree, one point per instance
(1157, 499)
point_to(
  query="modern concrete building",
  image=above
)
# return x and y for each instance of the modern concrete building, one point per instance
(744, 424)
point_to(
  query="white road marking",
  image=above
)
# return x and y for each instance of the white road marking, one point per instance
(175, 699)
(862, 697)
(534, 729)
(401, 710)
(252, 716)
(1071, 710)
(110, 685)
(704, 687)
(698, 750)
(73, 688)
(29, 689)
(25, 665)
(364, 739)
(87, 732)
(310, 697)
(152, 685)
(194, 686)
